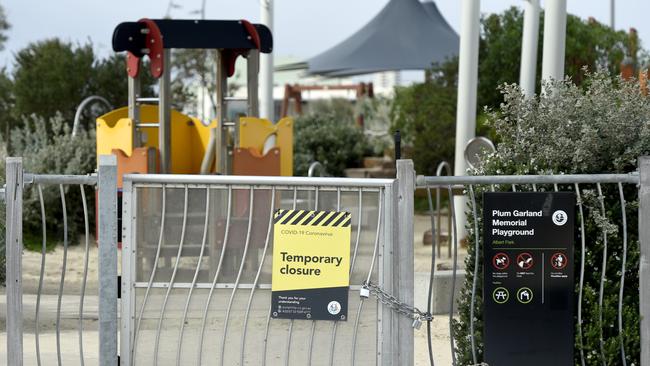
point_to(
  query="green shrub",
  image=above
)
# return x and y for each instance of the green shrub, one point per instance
(330, 137)
(601, 127)
(53, 150)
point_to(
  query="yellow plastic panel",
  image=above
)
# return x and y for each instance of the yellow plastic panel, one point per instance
(189, 136)
(114, 131)
(254, 131)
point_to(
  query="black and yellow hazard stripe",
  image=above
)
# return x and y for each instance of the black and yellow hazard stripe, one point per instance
(312, 218)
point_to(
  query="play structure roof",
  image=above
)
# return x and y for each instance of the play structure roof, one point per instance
(405, 35)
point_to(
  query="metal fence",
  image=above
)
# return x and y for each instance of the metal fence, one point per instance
(196, 265)
(196, 257)
(594, 184)
(196, 272)
(54, 301)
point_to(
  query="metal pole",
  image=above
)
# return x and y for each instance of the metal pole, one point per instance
(221, 150)
(404, 250)
(107, 243)
(14, 255)
(612, 14)
(644, 260)
(467, 89)
(134, 108)
(267, 108)
(253, 70)
(82, 106)
(164, 116)
(530, 38)
(554, 40)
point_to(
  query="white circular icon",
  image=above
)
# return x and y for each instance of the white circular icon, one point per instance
(334, 307)
(560, 217)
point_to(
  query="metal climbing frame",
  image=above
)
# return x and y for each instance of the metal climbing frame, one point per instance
(196, 271)
(592, 184)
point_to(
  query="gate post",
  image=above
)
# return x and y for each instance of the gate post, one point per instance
(405, 266)
(644, 258)
(107, 223)
(14, 253)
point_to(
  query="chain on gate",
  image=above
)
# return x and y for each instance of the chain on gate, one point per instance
(409, 311)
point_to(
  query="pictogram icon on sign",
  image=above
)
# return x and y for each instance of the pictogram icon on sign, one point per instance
(500, 295)
(501, 261)
(525, 261)
(560, 217)
(525, 295)
(559, 260)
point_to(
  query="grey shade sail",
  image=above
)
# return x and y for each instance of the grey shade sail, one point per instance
(405, 35)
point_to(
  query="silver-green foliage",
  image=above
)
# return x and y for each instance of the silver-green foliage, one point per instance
(602, 126)
(47, 147)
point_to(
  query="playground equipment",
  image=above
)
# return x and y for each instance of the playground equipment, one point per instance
(148, 136)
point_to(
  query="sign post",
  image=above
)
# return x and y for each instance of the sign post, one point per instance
(311, 265)
(528, 277)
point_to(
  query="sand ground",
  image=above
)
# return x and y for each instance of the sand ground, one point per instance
(69, 338)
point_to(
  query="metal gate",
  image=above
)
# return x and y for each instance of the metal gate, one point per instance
(55, 301)
(196, 271)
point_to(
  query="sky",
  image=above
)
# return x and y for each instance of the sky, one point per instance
(303, 28)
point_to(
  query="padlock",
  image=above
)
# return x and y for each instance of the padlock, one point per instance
(364, 292)
(417, 323)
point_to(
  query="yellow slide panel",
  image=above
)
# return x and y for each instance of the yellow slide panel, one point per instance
(254, 131)
(189, 136)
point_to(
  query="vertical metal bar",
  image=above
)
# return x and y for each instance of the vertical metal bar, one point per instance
(387, 322)
(257, 276)
(196, 275)
(253, 70)
(164, 115)
(173, 277)
(582, 274)
(14, 252)
(37, 333)
(251, 200)
(107, 223)
(63, 269)
(375, 251)
(435, 232)
(405, 260)
(454, 240)
(601, 290)
(438, 233)
(514, 188)
(644, 260)
(335, 323)
(356, 241)
(290, 330)
(221, 136)
(474, 275)
(134, 108)
(85, 275)
(216, 274)
(129, 247)
(154, 269)
(622, 285)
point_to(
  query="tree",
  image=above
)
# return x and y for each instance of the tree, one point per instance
(52, 76)
(588, 43)
(602, 126)
(4, 26)
(426, 112)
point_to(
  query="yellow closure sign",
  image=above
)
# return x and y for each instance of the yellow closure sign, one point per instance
(311, 264)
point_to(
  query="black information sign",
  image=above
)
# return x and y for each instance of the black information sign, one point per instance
(528, 276)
